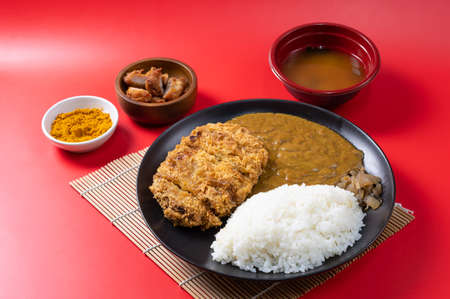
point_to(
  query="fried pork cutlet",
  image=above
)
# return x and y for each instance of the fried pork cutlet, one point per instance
(208, 174)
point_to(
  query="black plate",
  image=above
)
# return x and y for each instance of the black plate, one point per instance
(193, 245)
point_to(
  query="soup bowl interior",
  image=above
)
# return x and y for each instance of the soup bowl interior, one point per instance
(327, 36)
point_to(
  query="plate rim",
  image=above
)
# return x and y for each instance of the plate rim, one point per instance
(291, 276)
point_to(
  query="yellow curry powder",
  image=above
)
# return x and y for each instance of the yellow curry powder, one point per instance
(80, 125)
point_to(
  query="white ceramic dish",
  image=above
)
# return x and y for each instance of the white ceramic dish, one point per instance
(71, 104)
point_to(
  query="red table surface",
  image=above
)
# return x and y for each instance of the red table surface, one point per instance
(54, 244)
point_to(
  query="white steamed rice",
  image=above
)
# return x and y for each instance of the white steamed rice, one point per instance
(289, 229)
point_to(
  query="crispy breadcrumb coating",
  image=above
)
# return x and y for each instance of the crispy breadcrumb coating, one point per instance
(208, 174)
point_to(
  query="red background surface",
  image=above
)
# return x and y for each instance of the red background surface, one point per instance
(53, 244)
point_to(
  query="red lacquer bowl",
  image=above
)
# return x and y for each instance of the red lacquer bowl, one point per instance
(329, 36)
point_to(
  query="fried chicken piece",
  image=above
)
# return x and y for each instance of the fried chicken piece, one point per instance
(135, 78)
(139, 94)
(215, 167)
(165, 78)
(158, 100)
(154, 83)
(175, 87)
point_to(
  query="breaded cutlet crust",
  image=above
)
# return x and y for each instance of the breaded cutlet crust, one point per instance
(208, 174)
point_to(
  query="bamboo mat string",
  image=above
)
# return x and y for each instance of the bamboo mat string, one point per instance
(150, 248)
(112, 191)
(124, 215)
(191, 278)
(266, 290)
(109, 180)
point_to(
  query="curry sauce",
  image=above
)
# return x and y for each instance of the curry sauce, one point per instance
(300, 151)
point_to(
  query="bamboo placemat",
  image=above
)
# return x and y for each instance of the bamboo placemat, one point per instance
(112, 191)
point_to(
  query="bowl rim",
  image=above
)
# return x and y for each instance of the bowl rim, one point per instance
(90, 141)
(184, 96)
(351, 89)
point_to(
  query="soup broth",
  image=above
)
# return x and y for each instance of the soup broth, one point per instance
(323, 69)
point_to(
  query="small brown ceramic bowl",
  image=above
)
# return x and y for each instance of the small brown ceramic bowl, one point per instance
(158, 113)
(329, 36)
